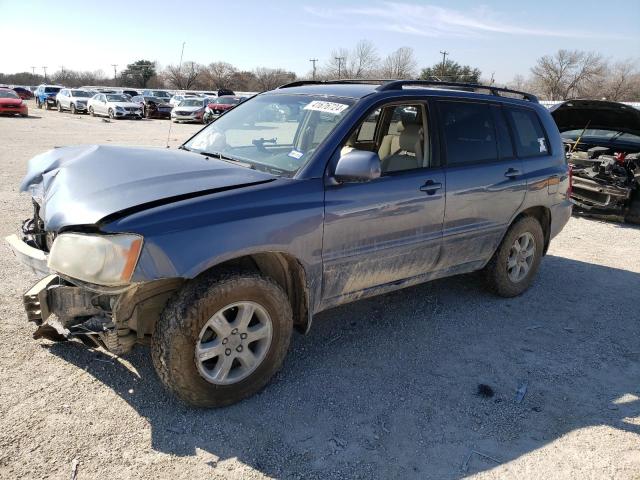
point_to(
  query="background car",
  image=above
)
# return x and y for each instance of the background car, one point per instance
(153, 106)
(220, 105)
(23, 93)
(74, 100)
(11, 103)
(114, 105)
(176, 99)
(191, 109)
(162, 94)
(46, 95)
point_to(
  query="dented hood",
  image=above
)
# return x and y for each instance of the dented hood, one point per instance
(597, 114)
(81, 185)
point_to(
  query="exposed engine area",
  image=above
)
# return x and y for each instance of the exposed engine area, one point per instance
(604, 181)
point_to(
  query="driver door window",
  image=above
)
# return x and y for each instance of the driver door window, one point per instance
(398, 133)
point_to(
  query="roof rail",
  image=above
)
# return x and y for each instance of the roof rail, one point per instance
(399, 84)
(348, 81)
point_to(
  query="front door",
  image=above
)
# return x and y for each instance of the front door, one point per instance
(387, 230)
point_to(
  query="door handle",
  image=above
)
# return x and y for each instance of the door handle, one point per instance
(430, 187)
(512, 173)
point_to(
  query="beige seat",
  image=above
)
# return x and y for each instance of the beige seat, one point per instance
(405, 153)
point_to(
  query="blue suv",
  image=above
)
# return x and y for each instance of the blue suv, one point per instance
(45, 96)
(298, 200)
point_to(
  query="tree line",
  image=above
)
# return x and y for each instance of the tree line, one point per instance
(563, 75)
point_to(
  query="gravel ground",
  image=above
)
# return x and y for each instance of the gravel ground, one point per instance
(382, 388)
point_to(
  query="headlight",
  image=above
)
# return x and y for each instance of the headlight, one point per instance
(101, 259)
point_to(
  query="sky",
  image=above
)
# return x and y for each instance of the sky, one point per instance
(500, 37)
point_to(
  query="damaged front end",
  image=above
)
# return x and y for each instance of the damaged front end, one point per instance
(602, 141)
(602, 182)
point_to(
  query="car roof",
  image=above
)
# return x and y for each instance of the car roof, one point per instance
(360, 88)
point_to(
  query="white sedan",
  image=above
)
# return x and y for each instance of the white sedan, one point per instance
(190, 110)
(115, 105)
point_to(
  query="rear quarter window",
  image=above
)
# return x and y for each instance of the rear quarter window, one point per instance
(528, 133)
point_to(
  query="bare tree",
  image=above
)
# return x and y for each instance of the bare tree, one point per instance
(270, 78)
(360, 62)
(622, 82)
(400, 64)
(183, 77)
(218, 75)
(568, 74)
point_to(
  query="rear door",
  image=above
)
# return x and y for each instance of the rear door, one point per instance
(485, 181)
(388, 230)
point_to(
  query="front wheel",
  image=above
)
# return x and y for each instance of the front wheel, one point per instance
(111, 114)
(91, 112)
(59, 107)
(73, 109)
(222, 338)
(513, 266)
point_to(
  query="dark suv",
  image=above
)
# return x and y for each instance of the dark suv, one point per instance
(214, 252)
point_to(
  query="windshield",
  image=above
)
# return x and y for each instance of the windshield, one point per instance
(51, 89)
(8, 94)
(227, 101)
(80, 93)
(603, 135)
(191, 102)
(117, 98)
(273, 133)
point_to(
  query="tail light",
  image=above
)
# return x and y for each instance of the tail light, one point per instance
(570, 187)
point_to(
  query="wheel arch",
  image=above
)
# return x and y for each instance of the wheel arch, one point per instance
(543, 215)
(286, 271)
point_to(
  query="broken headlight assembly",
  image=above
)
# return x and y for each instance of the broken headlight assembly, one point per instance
(107, 260)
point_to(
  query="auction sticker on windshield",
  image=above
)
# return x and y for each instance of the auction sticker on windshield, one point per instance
(326, 107)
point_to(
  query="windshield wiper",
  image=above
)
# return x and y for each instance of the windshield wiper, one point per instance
(227, 158)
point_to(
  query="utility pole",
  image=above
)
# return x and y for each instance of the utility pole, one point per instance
(444, 59)
(313, 61)
(115, 76)
(492, 78)
(340, 60)
(45, 74)
(33, 69)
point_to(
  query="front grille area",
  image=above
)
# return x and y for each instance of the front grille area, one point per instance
(183, 113)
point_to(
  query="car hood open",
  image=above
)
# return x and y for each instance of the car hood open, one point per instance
(81, 185)
(596, 114)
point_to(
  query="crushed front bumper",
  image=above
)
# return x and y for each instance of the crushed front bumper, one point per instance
(31, 257)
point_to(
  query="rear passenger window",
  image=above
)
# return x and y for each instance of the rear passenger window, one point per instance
(505, 146)
(528, 133)
(469, 134)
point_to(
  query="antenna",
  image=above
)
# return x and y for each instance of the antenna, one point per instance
(179, 72)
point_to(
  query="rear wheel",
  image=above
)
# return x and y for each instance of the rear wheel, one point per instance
(513, 266)
(222, 338)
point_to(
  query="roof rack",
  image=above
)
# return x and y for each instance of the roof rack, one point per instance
(390, 84)
(471, 87)
(349, 81)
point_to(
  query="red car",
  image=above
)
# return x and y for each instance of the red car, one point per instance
(220, 105)
(11, 103)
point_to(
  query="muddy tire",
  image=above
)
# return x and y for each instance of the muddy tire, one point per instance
(515, 263)
(200, 320)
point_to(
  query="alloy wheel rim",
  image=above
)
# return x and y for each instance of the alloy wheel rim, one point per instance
(521, 257)
(233, 343)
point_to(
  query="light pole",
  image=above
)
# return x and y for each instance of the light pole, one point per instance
(340, 60)
(313, 61)
(444, 57)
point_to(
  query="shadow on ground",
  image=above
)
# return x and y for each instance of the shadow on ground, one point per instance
(387, 387)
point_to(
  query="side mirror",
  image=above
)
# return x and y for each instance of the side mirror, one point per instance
(358, 166)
